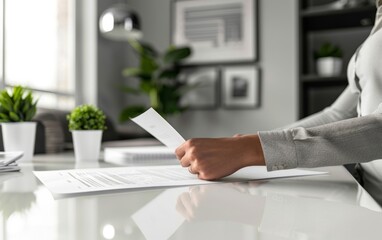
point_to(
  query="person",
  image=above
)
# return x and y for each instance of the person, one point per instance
(349, 131)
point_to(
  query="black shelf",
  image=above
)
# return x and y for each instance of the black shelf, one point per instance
(338, 19)
(323, 80)
(346, 28)
(320, 12)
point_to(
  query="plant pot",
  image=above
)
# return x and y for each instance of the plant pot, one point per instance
(329, 66)
(87, 144)
(20, 136)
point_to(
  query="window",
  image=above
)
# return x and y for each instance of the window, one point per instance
(38, 49)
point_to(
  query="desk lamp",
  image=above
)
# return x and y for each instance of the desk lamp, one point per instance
(120, 23)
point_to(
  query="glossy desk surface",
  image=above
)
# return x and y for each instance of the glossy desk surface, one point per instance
(331, 206)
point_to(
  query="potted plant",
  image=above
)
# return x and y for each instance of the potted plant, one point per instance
(17, 109)
(158, 79)
(86, 122)
(328, 60)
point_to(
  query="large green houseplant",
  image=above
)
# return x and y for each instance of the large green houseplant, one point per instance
(17, 108)
(87, 122)
(158, 79)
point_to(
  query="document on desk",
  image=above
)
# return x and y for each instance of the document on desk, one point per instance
(79, 181)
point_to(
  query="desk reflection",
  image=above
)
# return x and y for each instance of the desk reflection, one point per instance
(273, 214)
(320, 207)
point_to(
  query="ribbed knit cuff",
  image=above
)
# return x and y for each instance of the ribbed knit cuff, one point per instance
(279, 149)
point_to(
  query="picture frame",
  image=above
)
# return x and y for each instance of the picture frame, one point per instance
(204, 87)
(240, 87)
(215, 34)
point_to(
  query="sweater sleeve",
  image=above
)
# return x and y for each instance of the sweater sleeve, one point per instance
(325, 138)
(348, 141)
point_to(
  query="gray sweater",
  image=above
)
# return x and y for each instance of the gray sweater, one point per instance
(349, 131)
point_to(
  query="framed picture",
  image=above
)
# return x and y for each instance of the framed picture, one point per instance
(217, 30)
(241, 87)
(203, 88)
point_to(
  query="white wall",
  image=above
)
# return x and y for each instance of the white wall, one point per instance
(111, 59)
(278, 59)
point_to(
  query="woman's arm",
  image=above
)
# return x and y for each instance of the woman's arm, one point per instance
(213, 158)
(348, 141)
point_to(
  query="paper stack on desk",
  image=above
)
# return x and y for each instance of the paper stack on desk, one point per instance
(157, 126)
(8, 161)
(140, 155)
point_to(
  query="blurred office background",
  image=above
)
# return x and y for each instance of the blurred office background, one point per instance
(55, 47)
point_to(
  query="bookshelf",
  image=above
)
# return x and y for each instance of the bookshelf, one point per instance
(347, 28)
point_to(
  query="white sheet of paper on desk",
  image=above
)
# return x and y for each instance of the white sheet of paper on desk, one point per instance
(157, 126)
(76, 181)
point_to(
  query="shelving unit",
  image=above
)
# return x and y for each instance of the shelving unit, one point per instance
(346, 28)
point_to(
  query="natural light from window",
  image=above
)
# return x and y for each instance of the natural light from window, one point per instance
(39, 49)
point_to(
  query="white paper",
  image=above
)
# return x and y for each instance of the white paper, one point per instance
(157, 126)
(75, 181)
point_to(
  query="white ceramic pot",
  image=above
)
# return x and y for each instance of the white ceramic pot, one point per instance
(20, 136)
(329, 66)
(87, 144)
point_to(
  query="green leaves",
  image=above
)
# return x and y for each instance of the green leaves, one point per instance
(158, 79)
(169, 73)
(328, 50)
(86, 117)
(148, 64)
(174, 55)
(18, 106)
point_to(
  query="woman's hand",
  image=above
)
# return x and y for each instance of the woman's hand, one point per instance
(214, 158)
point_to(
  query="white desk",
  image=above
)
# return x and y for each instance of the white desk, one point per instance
(326, 207)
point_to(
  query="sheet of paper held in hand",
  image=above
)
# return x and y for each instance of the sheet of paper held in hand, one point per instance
(77, 181)
(157, 126)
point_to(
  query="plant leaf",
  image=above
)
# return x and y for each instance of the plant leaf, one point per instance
(136, 45)
(148, 64)
(136, 72)
(149, 50)
(4, 117)
(169, 73)
(13, 116)
(146, 87)
(174, 55)
(143, 48)
(131, 72)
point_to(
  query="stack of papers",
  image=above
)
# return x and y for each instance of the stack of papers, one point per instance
(140, 155)
(8, 161)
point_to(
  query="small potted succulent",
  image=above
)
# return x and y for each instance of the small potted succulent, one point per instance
(87, 122)
(17, 108)
(328, 60)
